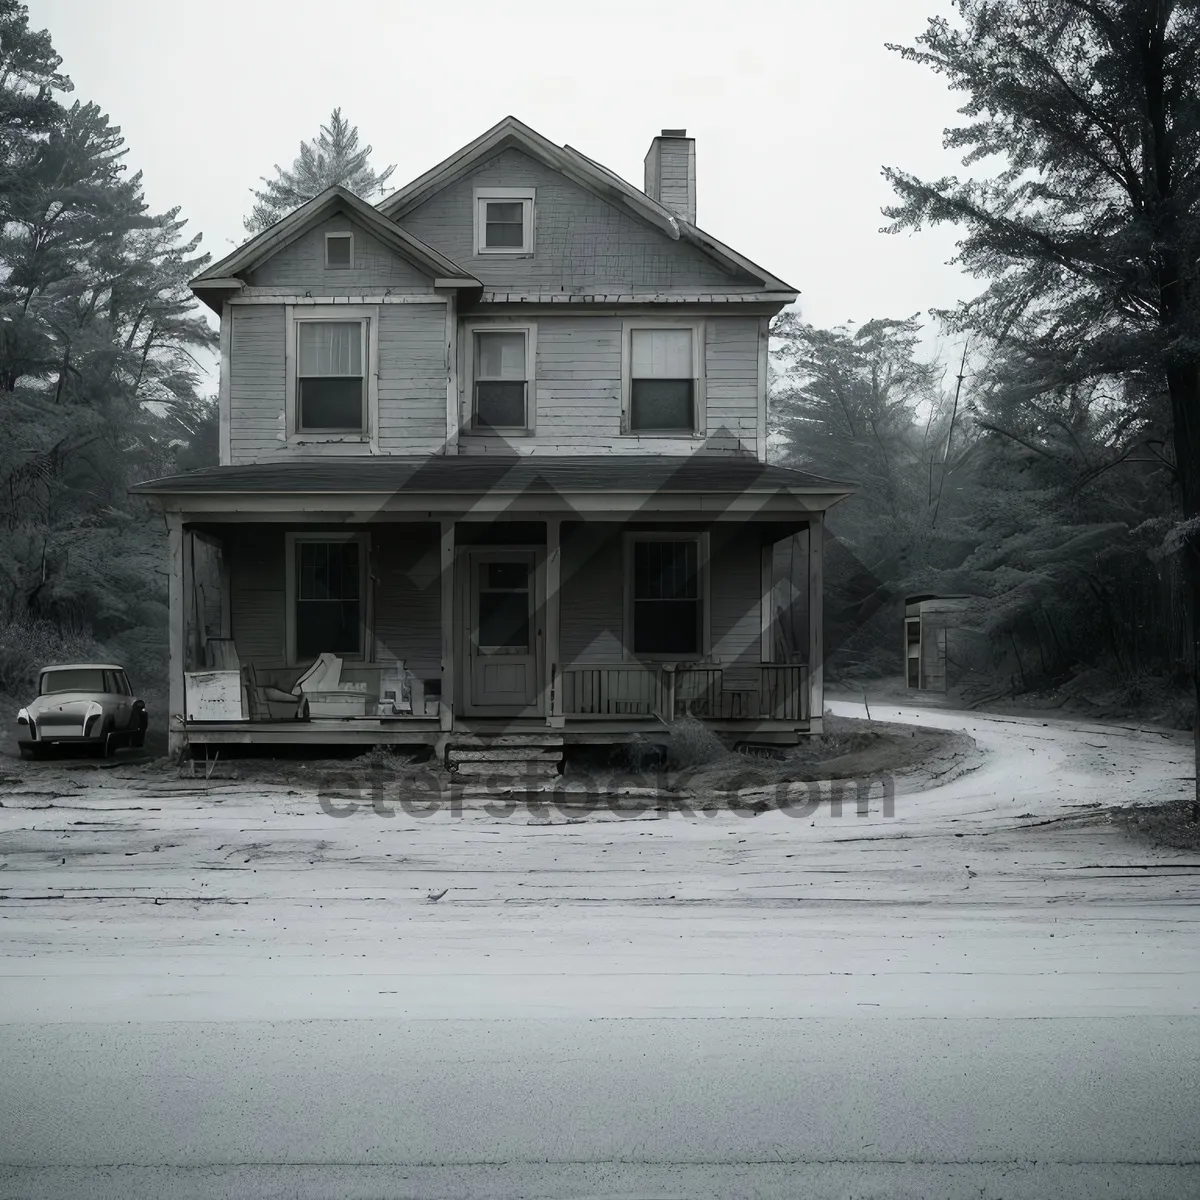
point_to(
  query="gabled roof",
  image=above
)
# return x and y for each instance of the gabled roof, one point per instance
(581, 170)
(222, 277)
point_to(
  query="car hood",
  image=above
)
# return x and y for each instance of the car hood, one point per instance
(64, 702)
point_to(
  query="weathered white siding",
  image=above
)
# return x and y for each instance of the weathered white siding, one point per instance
(581, 242)
(592, 609)
(405, 562)
(412, 356)
(735, 596)
(731, 370)
(256, 593)
(300, 266)
(413, 349)
(256, 381)
(577, 392)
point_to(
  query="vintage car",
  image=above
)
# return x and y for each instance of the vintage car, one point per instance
(88, 704)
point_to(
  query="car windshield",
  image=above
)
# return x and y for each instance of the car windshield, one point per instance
(76, 679)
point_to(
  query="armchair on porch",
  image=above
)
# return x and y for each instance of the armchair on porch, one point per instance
(267, 703)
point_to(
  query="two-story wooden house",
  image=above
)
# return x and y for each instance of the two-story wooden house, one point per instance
(502, 436)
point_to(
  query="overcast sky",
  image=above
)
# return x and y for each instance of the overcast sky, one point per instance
(795, 106)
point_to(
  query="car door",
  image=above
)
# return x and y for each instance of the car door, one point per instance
(118, 702)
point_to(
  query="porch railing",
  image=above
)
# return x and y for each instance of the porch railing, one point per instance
(783, 691)
(643, 690)
(627, 690)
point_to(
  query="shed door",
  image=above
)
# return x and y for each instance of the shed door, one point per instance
(912, 651)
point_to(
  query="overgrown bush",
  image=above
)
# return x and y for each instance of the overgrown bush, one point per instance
(143, 653)
(690, 743)
(27, 646)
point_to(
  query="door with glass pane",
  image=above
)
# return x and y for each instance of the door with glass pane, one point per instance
(502, 649)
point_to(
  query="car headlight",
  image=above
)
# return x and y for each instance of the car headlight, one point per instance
(23, 717)
(90, 714)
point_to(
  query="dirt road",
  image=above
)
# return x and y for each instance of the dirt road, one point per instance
(210, 989)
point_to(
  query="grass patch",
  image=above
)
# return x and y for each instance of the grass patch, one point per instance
(1175, 825)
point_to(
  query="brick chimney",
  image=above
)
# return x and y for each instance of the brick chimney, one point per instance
(671, 172)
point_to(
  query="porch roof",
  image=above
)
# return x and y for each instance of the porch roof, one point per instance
(500, 475)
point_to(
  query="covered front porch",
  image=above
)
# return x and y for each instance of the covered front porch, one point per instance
(582, 616)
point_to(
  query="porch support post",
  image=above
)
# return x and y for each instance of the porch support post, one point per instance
(553, 667)
(816, 622)
(224, 444)
(767, 604)
(446, 709)
(176, 733)
(226, 591)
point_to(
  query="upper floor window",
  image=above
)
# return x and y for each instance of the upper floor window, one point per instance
(330, 383)
(664, 378)
(339, 249)
(501, 379)
(504, 220)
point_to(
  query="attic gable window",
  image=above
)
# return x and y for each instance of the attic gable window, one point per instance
(339, 249)
(504, 221)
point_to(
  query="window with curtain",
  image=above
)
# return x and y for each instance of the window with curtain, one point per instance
(329, 377)
(328, 598)
(666, 598)
(662, 383)
(501, 381)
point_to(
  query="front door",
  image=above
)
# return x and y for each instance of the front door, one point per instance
(502, 631)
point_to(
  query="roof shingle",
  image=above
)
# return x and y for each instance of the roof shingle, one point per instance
(482, 474)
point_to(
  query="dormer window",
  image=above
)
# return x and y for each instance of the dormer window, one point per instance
(339, 249)
(504, 221)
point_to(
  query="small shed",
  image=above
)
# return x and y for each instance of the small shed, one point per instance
(929, 622)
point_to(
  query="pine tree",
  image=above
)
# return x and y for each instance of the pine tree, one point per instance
(332, 157)
(29, 79)
(1089, 229)
(98, 384)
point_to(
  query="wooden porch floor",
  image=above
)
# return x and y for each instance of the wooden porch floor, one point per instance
(416, 731)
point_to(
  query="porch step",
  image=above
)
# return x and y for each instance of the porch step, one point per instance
(485, 741)
(518, 754)
(506, 770)
(505, 756)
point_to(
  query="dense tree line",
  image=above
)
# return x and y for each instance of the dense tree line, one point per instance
(1053, 517)
(1070, 489)
(104, 358)
(102, 353)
